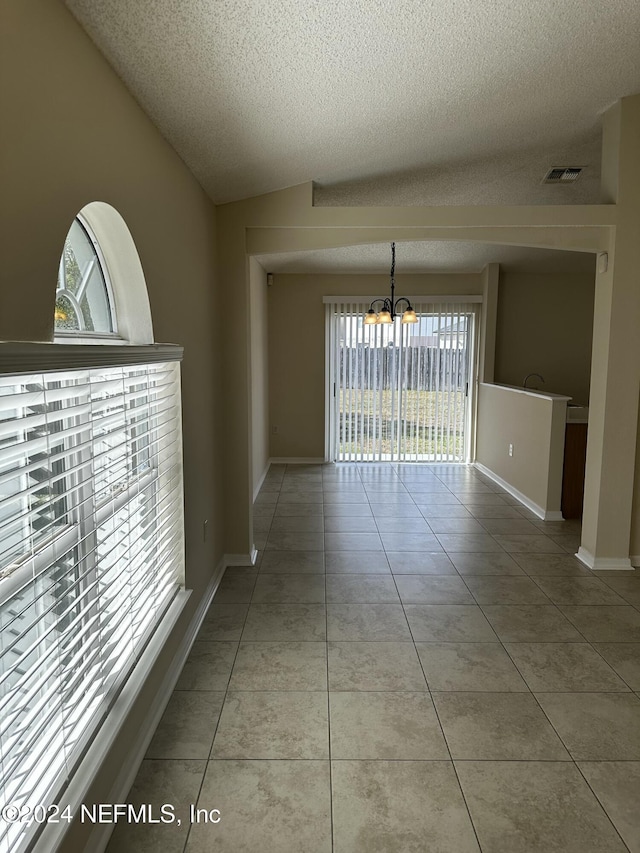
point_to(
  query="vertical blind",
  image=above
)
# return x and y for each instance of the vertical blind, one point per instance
(91, 555)
(400, 392)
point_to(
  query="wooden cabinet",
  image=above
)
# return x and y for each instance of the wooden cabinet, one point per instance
(575, 455)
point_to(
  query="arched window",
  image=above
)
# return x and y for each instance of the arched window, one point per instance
(91, 520)
(84, 304)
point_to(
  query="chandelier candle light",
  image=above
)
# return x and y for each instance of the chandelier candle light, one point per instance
(388, 312)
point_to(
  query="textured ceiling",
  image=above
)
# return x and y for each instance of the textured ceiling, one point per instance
(428, 257)
(393, 101)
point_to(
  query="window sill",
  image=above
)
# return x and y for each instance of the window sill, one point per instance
(21, 357)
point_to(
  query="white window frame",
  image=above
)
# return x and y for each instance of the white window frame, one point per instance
(32, 359)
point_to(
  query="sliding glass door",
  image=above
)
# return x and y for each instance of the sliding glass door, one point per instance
(400, 393)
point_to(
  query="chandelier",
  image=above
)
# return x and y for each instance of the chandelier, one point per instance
(388, 313)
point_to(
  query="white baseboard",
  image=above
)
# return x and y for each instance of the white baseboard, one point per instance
(605, 564)
(297, 460)
(635, 561)
(544, 514)
(240, 559)
(99, 838)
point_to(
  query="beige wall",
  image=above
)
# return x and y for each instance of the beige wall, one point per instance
(75, 135)
(535, 426)
(612, 490)
(297, 346)
(634, 549)
(259, 372)
(545, 325)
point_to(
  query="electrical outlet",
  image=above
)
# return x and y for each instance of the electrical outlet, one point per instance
(511, 450)
(274, 430)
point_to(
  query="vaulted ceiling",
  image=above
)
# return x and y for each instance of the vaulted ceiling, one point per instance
(377, 101)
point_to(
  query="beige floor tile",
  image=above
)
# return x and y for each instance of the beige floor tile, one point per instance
(625, 659)
(553, 565)
(174, 782)
(350, 524)
(285, 622)
(266, 511)
(469, 666)
(343, 490)
(558, 527)
(295, 541)
(430, 487)
(374, 666)
(291, 508)
(282, 806)
(456, 623)
(389, 496)
(297, 523)
(306, 495)
(617, 785)
(289, 589)
(564, 667)
(224, 621)
(442, 508)
(410, 542)
(478, 499)
(266, 498)
(596, 726)
(627, 588)
(353, 542)
(464, 490)
(395, 726)
(509, 526)
(501, 510)
(497, 727)
(431, 589)
(273, 725)
(569, 542)
(476, 543)
(236, 586)
(578, 591)
(420, 563)
(187, 726)
(497, 563)
(362, 588)
(605, 624)
(280, 666)
(347, 510)
(395, 509)
(292, 562)
(395, 526)
(456, 525)
(367, 622)
(505, 590)
(523, 543)
(208, 666)
(535, 807)
(530, 623)
(366, 562)
(399, 807)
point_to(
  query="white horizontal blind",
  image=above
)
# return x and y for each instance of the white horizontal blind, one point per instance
(91, 554)
(401, 391)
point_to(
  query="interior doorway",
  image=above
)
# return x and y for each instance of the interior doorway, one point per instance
(401, 393)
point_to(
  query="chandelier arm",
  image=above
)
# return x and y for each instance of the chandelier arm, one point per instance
(402, 299)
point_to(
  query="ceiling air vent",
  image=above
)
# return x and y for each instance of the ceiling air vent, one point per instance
(563, 176)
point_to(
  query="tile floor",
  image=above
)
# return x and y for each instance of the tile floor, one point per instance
(416, 663)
